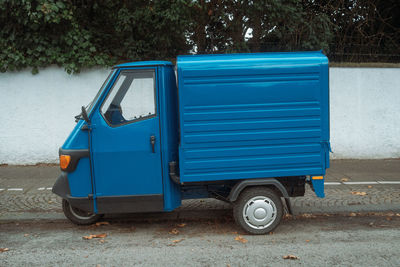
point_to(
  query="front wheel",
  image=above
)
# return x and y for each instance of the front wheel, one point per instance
(258, 210)
(79, 216)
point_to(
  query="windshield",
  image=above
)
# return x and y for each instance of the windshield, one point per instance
(89, 106)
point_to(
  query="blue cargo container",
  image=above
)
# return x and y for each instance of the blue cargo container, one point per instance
(245, 128)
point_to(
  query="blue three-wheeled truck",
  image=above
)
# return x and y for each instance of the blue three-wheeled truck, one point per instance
(249, 129)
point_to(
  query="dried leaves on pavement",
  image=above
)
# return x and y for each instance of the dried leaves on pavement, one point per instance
(102, 223)
(4, 249)
(358, 193)
(88, 237)
(174, 231)
(290, 257)
(241, 239)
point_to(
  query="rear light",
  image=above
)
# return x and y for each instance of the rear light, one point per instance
(64, 161)
(317, 177)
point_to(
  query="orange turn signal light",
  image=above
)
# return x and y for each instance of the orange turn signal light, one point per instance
(317, 177)
(64, 161)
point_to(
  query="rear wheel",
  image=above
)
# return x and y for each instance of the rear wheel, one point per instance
(79, 216)
(258, 210)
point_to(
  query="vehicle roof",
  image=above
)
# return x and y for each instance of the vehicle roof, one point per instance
(143, 63)
(273, 57)
(251, 58)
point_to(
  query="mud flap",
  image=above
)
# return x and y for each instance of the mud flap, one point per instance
(318, 185)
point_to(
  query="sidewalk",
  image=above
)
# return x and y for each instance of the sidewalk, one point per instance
(351, 186)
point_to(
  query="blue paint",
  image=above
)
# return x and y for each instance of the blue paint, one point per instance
(253, 115)
(169, 134)
(123, 160)
(79, 180)
(239, 116)
(318, 186)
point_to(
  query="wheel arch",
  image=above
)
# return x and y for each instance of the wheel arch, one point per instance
(271, 182)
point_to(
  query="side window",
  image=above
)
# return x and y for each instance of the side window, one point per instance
(131, 98)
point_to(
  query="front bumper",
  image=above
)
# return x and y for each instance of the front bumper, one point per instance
(61, 188)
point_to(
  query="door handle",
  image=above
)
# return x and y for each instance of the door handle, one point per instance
(153, 142)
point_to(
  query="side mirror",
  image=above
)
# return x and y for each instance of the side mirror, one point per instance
(85, 115)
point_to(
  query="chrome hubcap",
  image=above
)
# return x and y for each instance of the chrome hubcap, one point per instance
(259, 212)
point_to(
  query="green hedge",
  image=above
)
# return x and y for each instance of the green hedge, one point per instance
(86, 33)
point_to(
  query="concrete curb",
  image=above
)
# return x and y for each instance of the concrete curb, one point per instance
(195, 214)
(11, 217)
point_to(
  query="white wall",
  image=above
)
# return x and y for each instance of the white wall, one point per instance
(365, 112)
(37, 112)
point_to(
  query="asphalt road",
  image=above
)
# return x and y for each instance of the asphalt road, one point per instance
(367, 240)
(346, 228)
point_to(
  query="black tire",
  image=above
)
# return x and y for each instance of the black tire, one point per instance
(260, 219)
(79, 216)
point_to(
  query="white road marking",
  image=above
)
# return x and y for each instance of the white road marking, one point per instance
(372, 182)
(332, 183)
(389, 182)
(326, 183)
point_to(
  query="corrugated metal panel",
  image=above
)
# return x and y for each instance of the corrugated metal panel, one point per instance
(252, 115)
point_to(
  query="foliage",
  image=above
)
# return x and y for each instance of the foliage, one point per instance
(78, 34)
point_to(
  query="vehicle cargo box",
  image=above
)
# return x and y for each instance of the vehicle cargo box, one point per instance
(253, 115)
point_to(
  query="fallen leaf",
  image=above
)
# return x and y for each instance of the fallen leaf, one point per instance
(344, 179)
(101, 241)
(102, 223)
(26, 235)
(174, 231)
(353, 214)
(388, 218)
(290, 257)
(177, 240)
(88, 237)
(181, 225)
(358, 193)
(271, 233)
(98, 265)
(101, 235)
(398, 214)
(50, 202)
(370, 186)
(4, 249)
(241, 239)
(307, 240)
(307, 215)
(287, 216)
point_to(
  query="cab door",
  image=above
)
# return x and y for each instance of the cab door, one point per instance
(126, 145)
